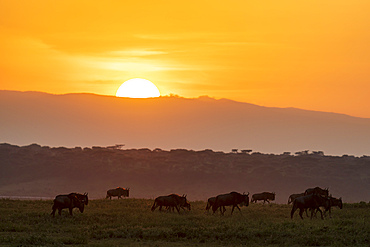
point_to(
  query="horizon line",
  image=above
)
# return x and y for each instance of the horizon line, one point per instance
(232, 151)
(182, 97)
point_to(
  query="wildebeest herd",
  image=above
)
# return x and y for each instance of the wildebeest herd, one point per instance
(312, 199)
(77, 200)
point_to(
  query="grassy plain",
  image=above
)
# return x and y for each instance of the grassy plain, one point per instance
(129, 222)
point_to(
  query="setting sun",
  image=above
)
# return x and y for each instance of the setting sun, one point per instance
(138, 88)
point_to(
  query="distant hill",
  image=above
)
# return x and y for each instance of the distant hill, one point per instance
(87, 120)
(41, 171)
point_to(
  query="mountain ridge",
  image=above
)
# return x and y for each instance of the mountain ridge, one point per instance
(202, 97)
(171, 122)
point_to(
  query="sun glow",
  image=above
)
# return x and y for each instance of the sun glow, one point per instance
(138, 88)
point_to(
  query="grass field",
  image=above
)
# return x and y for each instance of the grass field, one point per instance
(129, 222)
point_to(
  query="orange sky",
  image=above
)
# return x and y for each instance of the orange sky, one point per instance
(310, 54)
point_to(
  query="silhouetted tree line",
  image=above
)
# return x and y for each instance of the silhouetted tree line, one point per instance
(200, 173)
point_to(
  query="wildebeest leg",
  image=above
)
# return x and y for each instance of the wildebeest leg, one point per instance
(236, 207)
(53, 212)
(177, 208)
(301, 212)
(292, 212)
(306, 211)
(223, 209)
(170, 208)
(232, 210)
(59, 211)
(70, 211)
(214, 209)
(327, 209)
(318, 209)
(312, 211)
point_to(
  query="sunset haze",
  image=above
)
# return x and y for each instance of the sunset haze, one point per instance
(313, 55)
(211, 123)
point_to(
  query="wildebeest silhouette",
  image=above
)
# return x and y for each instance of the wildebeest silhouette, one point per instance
(119, 191)
(312, 202)
(230, 199)
(69, 201)
(264, 196)
(334, 202)
(171, 201)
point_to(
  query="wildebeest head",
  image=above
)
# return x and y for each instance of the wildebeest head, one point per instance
(185, 203)
(326, 192)
(336, 202)
(77, 203)
(181, 200)
(270, 196)
(127, 191)
(83, 198)
(245, 199)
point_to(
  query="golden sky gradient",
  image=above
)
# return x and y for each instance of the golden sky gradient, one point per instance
(310, 54)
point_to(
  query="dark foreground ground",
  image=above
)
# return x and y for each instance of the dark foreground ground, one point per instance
(130, 222)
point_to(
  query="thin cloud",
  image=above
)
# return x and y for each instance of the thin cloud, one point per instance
(135, 53)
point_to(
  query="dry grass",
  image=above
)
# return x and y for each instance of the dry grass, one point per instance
(130, 222)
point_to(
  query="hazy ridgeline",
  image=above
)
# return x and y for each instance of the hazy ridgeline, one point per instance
(35, 171)
(131, 222)
(87, 120)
